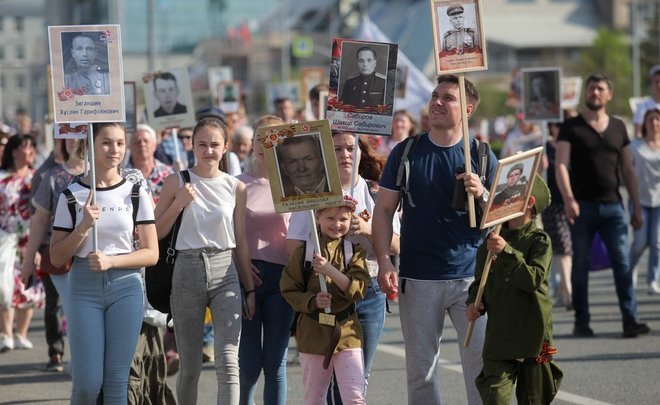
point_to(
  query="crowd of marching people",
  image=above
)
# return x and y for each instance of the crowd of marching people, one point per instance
(242, 284)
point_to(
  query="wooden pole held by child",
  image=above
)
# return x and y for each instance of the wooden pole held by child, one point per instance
(480, 292)
(317, 250)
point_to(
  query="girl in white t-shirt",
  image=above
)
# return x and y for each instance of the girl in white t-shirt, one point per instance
(212, 231)
(105, 301)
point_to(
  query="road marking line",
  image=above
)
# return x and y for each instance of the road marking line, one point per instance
(446, 364)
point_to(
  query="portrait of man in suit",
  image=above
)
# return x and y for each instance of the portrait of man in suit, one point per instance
(166, 91)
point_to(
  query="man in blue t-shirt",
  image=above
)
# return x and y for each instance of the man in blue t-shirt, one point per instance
(438, 248)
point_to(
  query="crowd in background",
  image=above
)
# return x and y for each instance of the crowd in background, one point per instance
(31, 208)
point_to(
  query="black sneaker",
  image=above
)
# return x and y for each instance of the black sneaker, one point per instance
(582, 331)
(55, 365)
(635, 329)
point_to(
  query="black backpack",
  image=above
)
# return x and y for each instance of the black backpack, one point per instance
(158, 278)
(403, 172)
(307, 269)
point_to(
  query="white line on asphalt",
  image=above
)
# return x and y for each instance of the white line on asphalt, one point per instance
(446, 364)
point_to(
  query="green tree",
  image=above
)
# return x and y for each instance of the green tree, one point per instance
(610, 54)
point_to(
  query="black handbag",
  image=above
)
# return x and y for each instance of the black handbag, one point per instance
(158, 278)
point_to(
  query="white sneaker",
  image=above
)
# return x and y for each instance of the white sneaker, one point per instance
(22, 342)
(654, 288)
(6, 343)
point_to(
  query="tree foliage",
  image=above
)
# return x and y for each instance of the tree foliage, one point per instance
(610, 54)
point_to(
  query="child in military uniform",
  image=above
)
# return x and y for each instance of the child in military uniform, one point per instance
(518, 342)
(327, 341)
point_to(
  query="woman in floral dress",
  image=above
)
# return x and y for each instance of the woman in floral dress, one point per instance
(15, 179)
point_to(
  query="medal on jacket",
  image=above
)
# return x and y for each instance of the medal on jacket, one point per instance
(326, 319)
(98, 84)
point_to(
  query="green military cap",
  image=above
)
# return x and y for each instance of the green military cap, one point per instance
(455, 10)
(517, 166)
(541, 193)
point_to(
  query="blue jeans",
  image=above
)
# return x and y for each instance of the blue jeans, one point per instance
(273, 316)
(609, 219)
(371, 313)
(104, 315)
(647, 235)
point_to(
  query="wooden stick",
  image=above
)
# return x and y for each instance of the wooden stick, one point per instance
(480, 291)
(317, 250)
(92, 184)
(466, 147)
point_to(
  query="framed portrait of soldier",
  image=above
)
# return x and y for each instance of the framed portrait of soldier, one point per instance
(168, 99)
(571, 91)
(87, 73)
(217, 74)
(229, 96)
(458, 36)
(541, 94)
(512, 186)
(130, 105)
(362, 79)
(302, 167)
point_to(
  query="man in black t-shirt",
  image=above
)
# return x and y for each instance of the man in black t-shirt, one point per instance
(594, 145)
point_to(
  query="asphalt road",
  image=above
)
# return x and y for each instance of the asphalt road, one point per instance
(606, 369)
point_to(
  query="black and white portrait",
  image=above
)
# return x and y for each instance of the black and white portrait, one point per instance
(85, 58)
(363, 74)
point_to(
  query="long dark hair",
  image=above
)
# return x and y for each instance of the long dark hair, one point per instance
(13, 143)
(216, 123)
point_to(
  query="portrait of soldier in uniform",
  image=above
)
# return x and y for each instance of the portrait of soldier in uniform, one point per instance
(460, 39)
(368, 87)
(85, 70)
(515, 187)
(542, 95)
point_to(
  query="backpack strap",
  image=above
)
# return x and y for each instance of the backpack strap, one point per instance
(483, 149)
(373, 188)
(171, 251)
(135, 201)
(71, 205)
(403, 174)
(306, 263)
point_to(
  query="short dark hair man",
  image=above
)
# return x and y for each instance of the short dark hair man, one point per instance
(367, 88)
(88, 75)
(166, 92)
(460, 38)
(301, 165)
(591, 148)
(438, 249)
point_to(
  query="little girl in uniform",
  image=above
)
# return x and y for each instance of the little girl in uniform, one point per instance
(327, 341)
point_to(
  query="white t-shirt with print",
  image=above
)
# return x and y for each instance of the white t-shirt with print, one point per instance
(300, 227)
(115, 223)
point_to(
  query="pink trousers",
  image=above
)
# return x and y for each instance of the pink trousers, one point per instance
(349, 370)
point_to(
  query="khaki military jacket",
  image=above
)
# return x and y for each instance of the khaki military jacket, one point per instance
(516, 296)
(312, 337)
